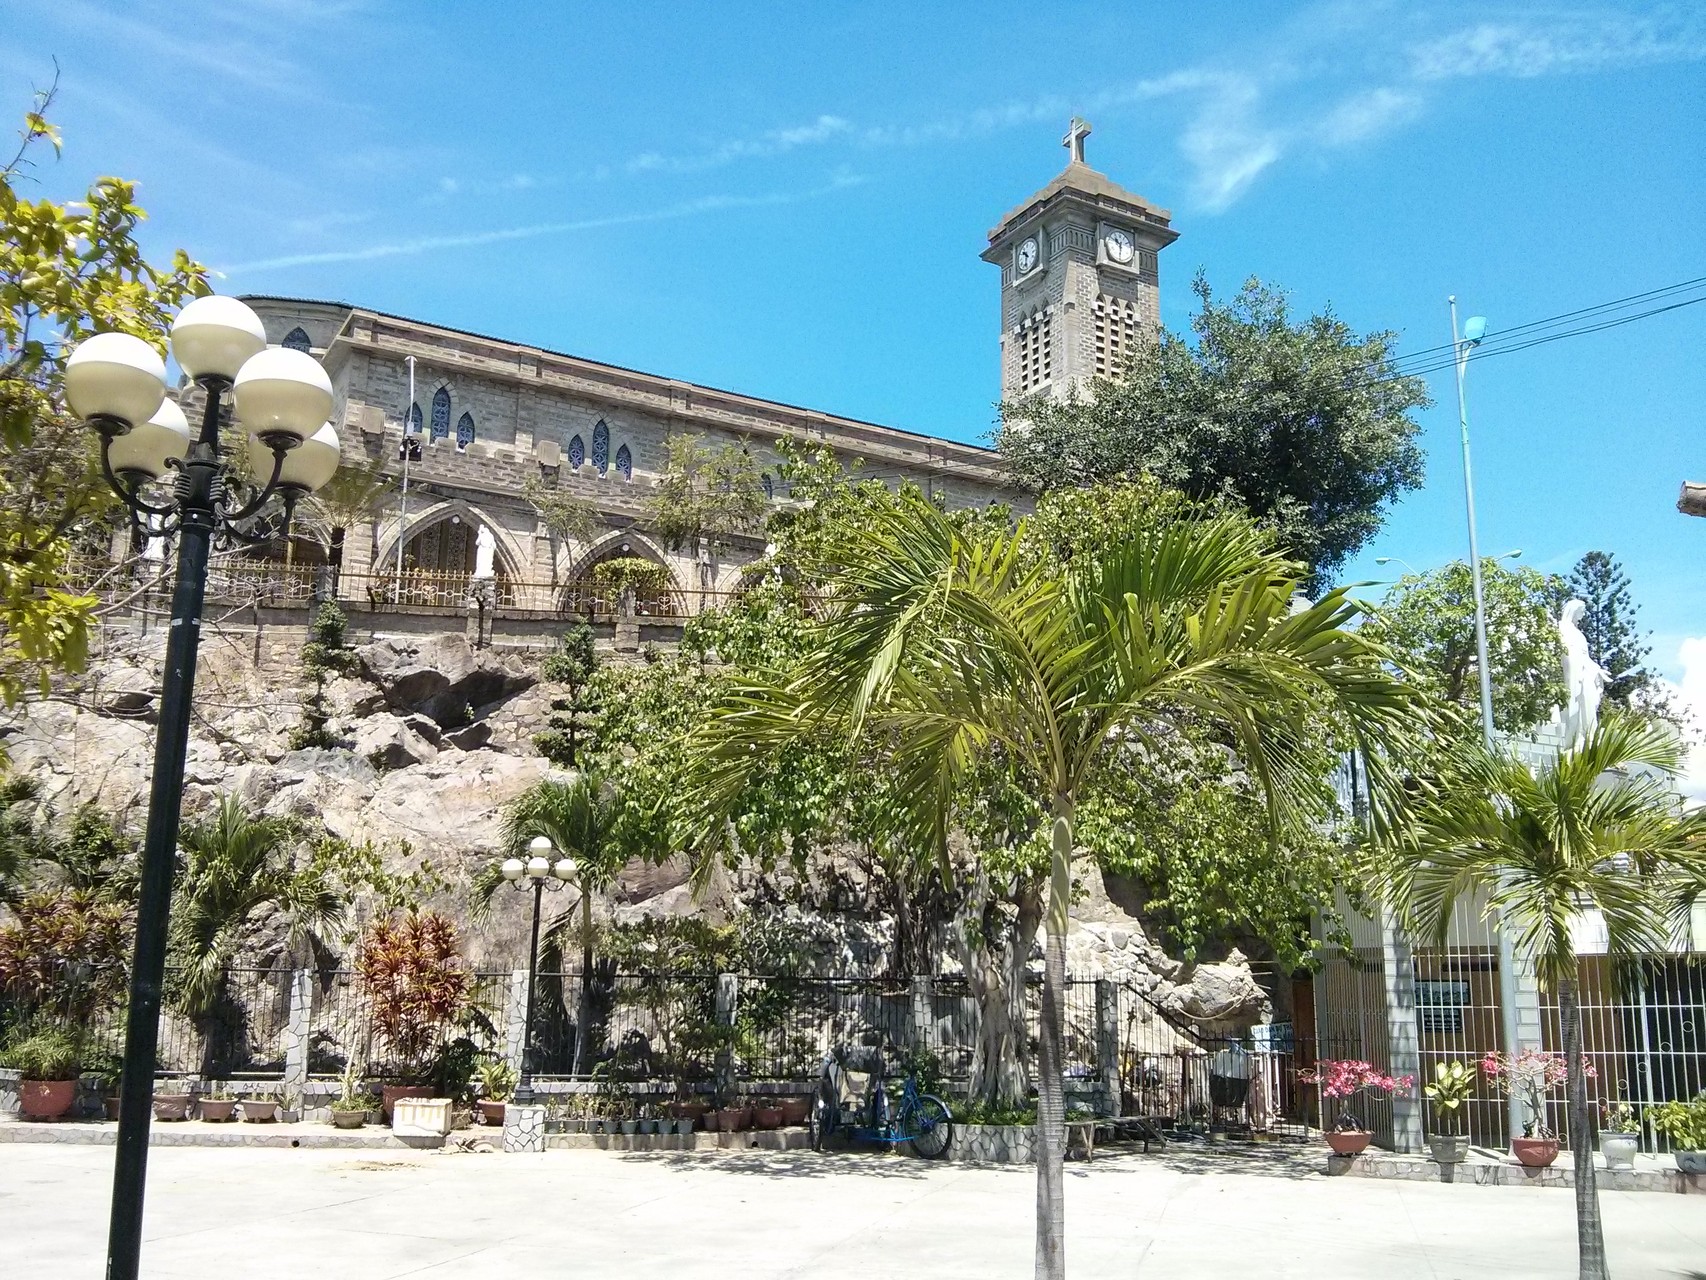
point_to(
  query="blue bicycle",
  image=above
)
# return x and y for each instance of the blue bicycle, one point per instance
(853, 1100)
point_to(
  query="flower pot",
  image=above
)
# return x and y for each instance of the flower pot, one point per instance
(795, 1110)
(1690, 1161)
(711, 1120)
(729, 1119)
(491, 1112)
(349, 1119)
(259, 1111)
(216, 1110)
(171, 1106)
(111, 1105)
(628, 1127)
(1348, 1142)
(1619, 1148)
(684, 1126)
(45, 1099)
(767, 1117)
(1536, 1153)
(695, 1110)
(391, 1094)
(1449, 1148)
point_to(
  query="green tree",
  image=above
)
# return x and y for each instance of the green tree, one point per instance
(582, 816)
(705, 492)
(356, 492)
(571, 730)
(66, 271)
(1307, 425)
(1612, 627)
(954, 652)
(1600, 827)
(236, 865)
(1428, 621)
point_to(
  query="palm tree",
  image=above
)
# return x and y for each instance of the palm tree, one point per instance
(357, 492)
(234, 864)
(957, 646)
(1599, 828)
(581, 814)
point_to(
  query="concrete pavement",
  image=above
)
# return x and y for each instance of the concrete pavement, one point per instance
(340, 1215)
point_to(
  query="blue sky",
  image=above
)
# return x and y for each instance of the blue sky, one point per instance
(789, 199)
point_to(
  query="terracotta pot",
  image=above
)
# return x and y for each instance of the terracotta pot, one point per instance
(391, 1094)
(215, 1110)
(730, 1119)
(694, 1110)
(349, 1119)
(256, 1111)
(45, 1099)
(1347, 1142)
(795, 1111)
(767, 1117)
(111, 1104)
(172, 1106)
(1536, 1153)
(491, 1112)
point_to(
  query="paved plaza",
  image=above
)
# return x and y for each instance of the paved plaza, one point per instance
(342, 1215)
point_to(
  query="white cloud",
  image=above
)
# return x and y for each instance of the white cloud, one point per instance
(1582, 42)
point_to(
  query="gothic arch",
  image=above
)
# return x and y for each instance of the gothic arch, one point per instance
(441, 414)
(297, 340)
(609, 545)
(582, 595)
(511, 561)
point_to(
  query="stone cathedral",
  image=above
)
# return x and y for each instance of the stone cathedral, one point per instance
(1079, 289)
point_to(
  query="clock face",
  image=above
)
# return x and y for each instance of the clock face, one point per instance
(1027, 255)
(1119, 246)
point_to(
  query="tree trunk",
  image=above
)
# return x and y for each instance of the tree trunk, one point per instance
(1590, 1240)
(995, 954)
(1051, 1090)
(583, 1006)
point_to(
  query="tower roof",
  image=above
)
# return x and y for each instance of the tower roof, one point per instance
(1078, 181)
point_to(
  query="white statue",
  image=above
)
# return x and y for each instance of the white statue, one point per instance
(1584, 679)
(485, 547)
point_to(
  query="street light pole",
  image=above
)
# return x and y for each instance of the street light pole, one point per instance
(539, 873)
(1509, 1028)
(409, 451)
(117, 383)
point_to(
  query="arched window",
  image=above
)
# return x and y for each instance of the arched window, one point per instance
(577, 452)
(441, 413)
(625, 463)
(769, 488)
(601, 449)
(464, 431)
(414, 427)
(297, 339)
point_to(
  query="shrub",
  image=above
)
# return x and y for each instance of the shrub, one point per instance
(1684, 1123)
(44, 1053)
(65, 952)
(418, 984)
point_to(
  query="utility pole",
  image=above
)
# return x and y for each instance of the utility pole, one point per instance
(409, 451)
(1509, 1028)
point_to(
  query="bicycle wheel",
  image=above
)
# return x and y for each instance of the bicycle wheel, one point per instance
(824, 1118)
(932, 1127)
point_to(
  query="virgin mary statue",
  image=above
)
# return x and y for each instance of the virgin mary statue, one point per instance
(1584, 679)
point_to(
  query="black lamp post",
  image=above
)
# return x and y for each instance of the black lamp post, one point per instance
(118, 384)
(538, 873)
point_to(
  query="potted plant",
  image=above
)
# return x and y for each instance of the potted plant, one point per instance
(47, 1060)
(419, 988)
(1344, 1079)
(170, 1105)
(1684, 1123)
(1619, 1134)
(1450, 1088)
(1530, 1076)
(497, 1087)
(627, 1122)
(218, 1105)
(795, 1109)
(260, 1109)
(767, 1114)
(351, 1107)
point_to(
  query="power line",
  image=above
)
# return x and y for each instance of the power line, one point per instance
(1503, 335)
(1482, 352)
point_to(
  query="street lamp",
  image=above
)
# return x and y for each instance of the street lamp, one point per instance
(1474, 329)
(538, 872)
(117, 383)
(408, 451)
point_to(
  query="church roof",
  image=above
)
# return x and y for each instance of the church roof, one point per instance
(1080, 179)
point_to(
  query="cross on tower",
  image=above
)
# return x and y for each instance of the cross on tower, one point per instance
(1076, 132)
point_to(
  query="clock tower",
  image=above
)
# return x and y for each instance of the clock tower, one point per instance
(1079, 278)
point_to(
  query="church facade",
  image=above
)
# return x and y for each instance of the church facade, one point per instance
(484, 420)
